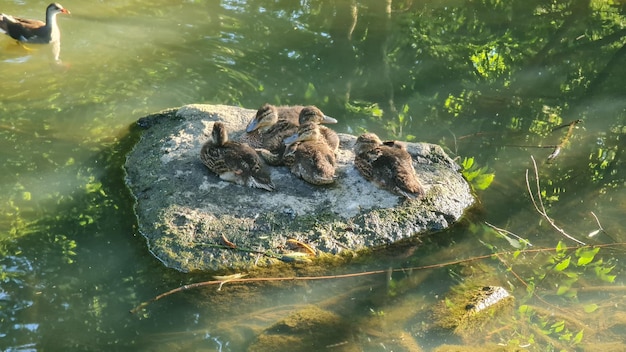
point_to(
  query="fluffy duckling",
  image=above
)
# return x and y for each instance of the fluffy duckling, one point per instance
(310, 157)
(233, 161)
(388, 165)
(314, 115)
(268, 115)
(268, 129)
(271, 125)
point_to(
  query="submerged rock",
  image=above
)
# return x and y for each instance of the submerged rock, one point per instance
(467, 309)
(195, 221)
(308, 329)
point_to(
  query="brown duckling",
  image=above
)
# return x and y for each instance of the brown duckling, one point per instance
(315, 115)
(268, 115)
(233, 161)
(388, 165)
(267, 130)
(310, 157)
(271, 125)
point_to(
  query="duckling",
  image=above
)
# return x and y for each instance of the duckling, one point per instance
(266, 131)
(310, 157)
(388, 165)
(271, 125)
(315, 115)
(233, 161)
(269, 114)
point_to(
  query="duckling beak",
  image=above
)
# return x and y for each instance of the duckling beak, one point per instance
(291, 139)
(252, 126)
(328, 119)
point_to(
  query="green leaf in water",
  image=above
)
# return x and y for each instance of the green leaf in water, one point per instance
(578, 338)
(563, 289)
(571, 293)
(609, 278)
(567, 336)
(572, 275)
(524, 309)
(602, 272)
(586, 255)
(479, 177)
(484, 181)
(558, 326)
(563, 264)
(590, 308)
(467, 163)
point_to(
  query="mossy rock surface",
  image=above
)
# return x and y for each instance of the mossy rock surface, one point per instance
(308, 329)
(192, 220)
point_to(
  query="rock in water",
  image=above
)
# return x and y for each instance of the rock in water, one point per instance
(195, 221)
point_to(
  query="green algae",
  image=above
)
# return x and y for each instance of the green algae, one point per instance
(308, 329)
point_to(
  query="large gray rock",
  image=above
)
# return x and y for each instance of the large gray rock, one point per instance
(195, 221)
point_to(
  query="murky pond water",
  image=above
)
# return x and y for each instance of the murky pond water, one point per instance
(494, 82)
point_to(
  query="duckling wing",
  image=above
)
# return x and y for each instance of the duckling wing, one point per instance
(274, 136)
(331, 138)
(211, 156)
(391, 167)
(401, 176)
(238, 163)
(241, 157)
(367, 161)
(314, 162)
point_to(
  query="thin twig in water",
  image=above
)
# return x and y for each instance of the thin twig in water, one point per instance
(565, 140)
(597, 221)
(539, 201)
(599, 229)
(519, 238)
(456, 149)
(359, 274)
(519, 278)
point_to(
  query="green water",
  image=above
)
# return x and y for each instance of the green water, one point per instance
(488, 80)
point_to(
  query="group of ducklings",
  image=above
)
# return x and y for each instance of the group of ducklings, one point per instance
(294, 136)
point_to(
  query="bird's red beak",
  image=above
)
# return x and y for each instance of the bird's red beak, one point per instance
(65, 11)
